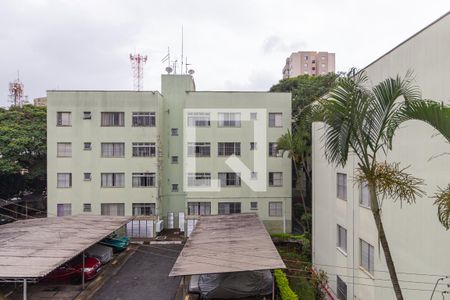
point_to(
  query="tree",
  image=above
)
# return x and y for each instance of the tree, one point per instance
(23, 146)
(363, 122)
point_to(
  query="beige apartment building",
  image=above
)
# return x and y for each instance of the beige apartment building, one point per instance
(345, 240)
(309, 63)
(170, 156)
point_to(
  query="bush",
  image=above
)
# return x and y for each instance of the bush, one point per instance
(283, 286)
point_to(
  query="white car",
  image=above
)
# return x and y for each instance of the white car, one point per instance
(103, 253)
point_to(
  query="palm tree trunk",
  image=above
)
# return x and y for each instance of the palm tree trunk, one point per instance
(383, 240)
(297, 176)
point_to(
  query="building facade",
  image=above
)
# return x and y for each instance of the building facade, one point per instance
(173, 155)
(345, 240)
(41, 101)
(309, 63)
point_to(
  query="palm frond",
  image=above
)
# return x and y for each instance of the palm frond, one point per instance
(442, 200)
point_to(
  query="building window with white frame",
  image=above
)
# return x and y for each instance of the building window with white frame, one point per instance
(341, 242)
(64, 180)
(275, 120)
(63, 209)
(112, 209)
(144, 149)
(199, 149)
(275, 209)
(112, 119)
(143, 209)
(199, 179)
(226, 208)
(341, 186)
(63, 118)
(275, 179)
(366, 256)
(143, 119)
(364, 196)
(229, 179)
(254, 205)
(341, 288)
(143, 179)
(273, 150)
(109, 180)
(199, 208)
(113, 149)
(229, 119)
(87, 207)
(227, 149)
(198, 119)
(64, 149)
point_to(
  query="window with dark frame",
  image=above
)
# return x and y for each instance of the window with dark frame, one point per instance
(143, 119)
(273, 150)
(63, 209)
(87, 176)
(229, 119)
(341, 289)
(174, 187)
(226, 208)
(174, 131)
(366, 256)
(341, 242)
(253, 205)
(64, 180)
(64, 149)
(199, 119)
(143, 179)
(63, 118)
(109, 180)
(87, 207)
(199, 179)
(341, 180)
(174, 159)
(364, 196)
(112, 209)
(112, 119)
(253, 146)
(227, 148)
(229, 179)
(87, 115)
(87, 146)
(275, 209)
(275, 120)
(112, 149)
(143, 209)
(144, 149)
(199, 208)
(199, 149)
(275, 179)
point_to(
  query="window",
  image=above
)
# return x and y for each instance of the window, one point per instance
(199, 149)
(275, 179)
(113, 209)
(175, 187)
(226, 208)
(253, 205)
(64, 149)
(252, 146)
(341, 238)
(322, 57)
(63, 119)
(254, 175)
(143, 209)
(273, 151)
(229, 119)
(87, 176)
(174, 159)
(144, 179)
(174, 131)
(306, 57)
(322, 65)
(275, 119)
(199, 179)
(341, 186)
(313, 68)
(113, 180)
(227, 149)
(229, 179)
(144, 149)
(113, 149)
(275, 209)
(87, 207)
(64, 180)
(313, 61)
(143, 119)
(199, 119)
(112, 119)
(87, 146)
(63, 209)
(364, 196)
(341, 289)
(253, 116)
(199, 208)
(87, 115)
(366, 256)
(305, 65)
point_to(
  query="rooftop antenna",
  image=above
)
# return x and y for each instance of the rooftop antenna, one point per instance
(16, 89)
(137, 65)
(175, 66)
(182, 50)
(169, 68)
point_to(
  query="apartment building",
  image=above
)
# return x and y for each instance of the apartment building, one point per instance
(172, 155)
(345, 240)
(309, 63)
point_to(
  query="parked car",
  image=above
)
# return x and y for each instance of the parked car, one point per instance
(72, 270)
(103, 253)
(118, 243)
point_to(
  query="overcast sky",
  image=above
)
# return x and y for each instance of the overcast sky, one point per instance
(232, 44)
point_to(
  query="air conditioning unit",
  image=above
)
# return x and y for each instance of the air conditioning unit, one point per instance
(159, 226)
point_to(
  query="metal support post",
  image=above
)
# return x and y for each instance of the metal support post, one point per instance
(24, 289)
(82, 273)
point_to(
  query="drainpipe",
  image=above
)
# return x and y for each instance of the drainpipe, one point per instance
(24, 289)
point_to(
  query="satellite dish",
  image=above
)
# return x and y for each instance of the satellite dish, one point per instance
(169, 70)
(190, 72)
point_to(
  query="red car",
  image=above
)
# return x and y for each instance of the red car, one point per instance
(72, 271)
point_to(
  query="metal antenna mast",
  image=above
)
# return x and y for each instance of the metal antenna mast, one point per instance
(137, 65)
(182, 50)
(16, 89)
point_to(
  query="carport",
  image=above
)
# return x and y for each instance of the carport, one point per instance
(225, 244)
(31, 249)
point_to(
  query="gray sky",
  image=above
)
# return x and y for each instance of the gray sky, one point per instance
(232, 44)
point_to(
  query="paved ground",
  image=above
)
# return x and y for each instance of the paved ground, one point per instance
(144, 275)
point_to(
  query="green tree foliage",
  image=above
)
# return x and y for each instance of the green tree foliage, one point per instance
(23, 150)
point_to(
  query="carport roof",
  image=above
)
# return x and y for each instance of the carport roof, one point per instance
(227, 243)
(33, 248)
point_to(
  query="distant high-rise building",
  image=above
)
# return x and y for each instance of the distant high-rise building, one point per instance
(309, 63)
(42, 101)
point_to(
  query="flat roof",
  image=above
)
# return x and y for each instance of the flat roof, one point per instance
(227, 243)
(35, 247)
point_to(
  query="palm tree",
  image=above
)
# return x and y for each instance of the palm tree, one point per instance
(362, 121)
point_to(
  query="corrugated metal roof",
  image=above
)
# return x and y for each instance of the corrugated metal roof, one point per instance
(33, 248)
(227, 243)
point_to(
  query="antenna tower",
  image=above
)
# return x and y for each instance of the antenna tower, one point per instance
(137, 65)
(16, 89)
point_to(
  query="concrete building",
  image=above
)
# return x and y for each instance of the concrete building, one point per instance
(41, 101)
(345, 241)
(309, 63)
(173, 155)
